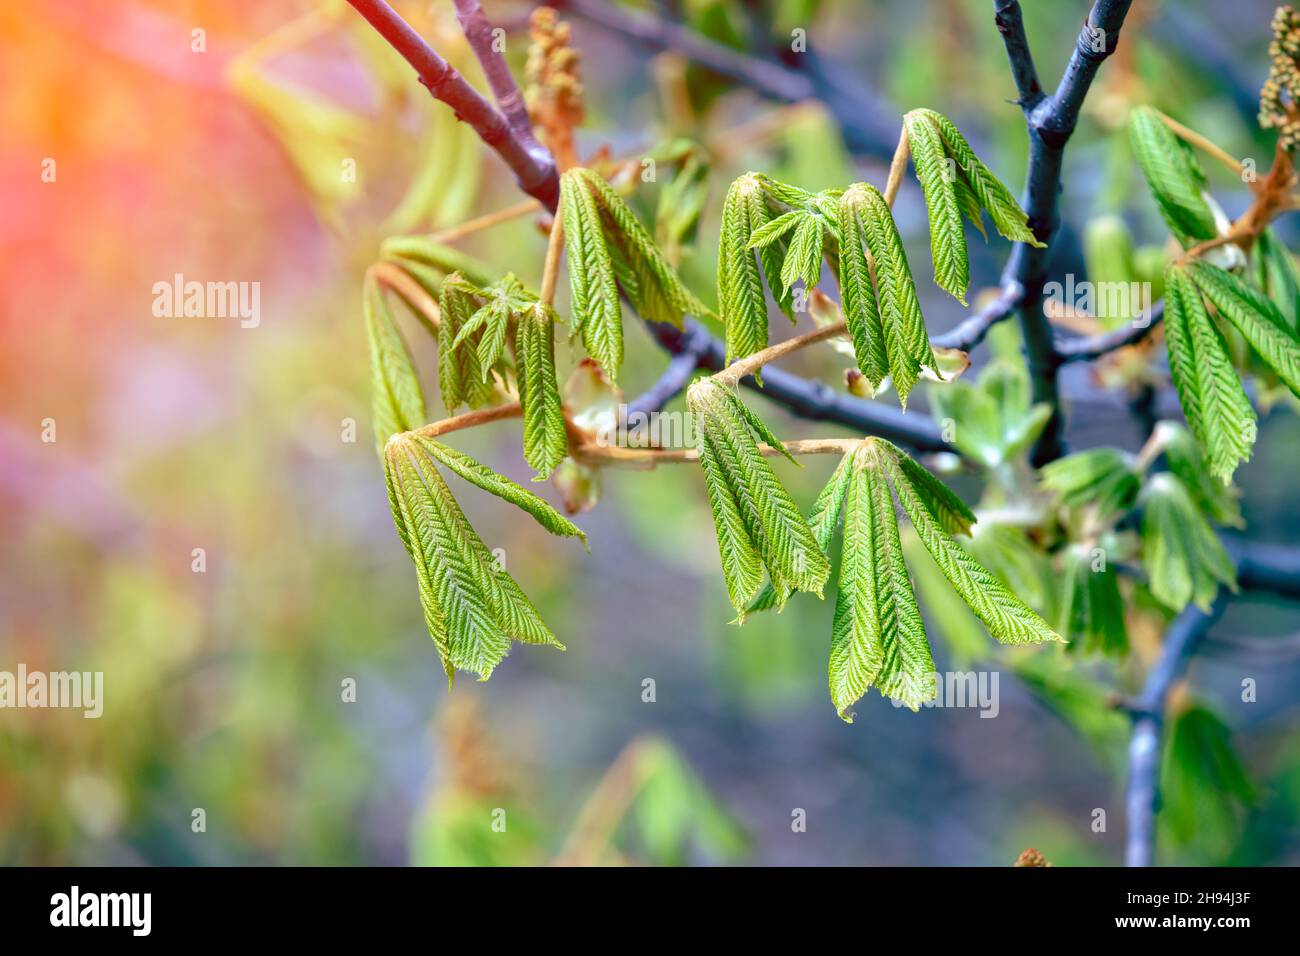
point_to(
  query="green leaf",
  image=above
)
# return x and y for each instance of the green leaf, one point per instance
(822, 519)
(1183, 557)
(459, 375)
(1091, 610)
(937, 179)
(1007, 617)
(1184, 459)
(493, 483)
(661, 296)
(877, 637)
(1173, 175)
(1216, 406)
(757, 521)
(976, 180)
(803, 260)
(992, 420)
(774, 229)
(434, 255)
(1204, 788)
(397, 400)
(546, 441)
(740, 284)
(1102, 477)
(1255, 316)
(906, 341)
(1277, 275)
(597, 315)
(858, 292)
(472, 608)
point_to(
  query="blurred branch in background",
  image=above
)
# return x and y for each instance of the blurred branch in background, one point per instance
(867, 122)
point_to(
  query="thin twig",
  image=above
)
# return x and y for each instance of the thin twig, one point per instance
(863, 119)
(532, 164)
(551, 269)
(486, 221)
(480, 416)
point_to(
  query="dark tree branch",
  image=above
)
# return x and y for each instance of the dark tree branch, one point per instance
(532, 165)
(868, 126)
(1142, 799)
(805, 398)
(1050, 121)
(971, 331)
(1085, 348)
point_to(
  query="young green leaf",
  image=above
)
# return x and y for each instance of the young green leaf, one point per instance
(756, 520)
(906, 341)
(858, 291)
(1102, 477)
(661, 294)
(1204, 789)
(1255, 316)
(1184, 558)
(1183, 457)
(1276, 273)
(545, 439)
(822, 519)
(740, 283)
(803, 260)
(459, 375)
(597, 315)
(1216, 406)
(936, 173)
(493, 483)
(976, 181)
(1007, 617)
(397, 400)
(472, 608)
(1091, 610)
(1173, 175)
(877, 637)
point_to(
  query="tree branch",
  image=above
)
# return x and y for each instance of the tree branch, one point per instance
(1142, 798)
(1050, 121)
(971, 331)
(867, 125)
(1085, 348)
(532, 164)
(805, 398)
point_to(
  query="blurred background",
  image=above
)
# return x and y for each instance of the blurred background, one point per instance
(213, 139)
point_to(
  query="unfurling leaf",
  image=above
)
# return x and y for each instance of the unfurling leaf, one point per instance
(758, 525)
(460, 376)
(993, 419)
(1184, 558)
(597, 315)
(741, 301)
(985, 191)
(1173, 175)
(606, 245)
(1260, 322)
(956, 184)
(545, 440)
(878, 638)
(1216, 406)
(1091, 611)
(477, 473)
(397, 400)
(1008, 618)
(472, 607)
(1101, 477)
(879, 296)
